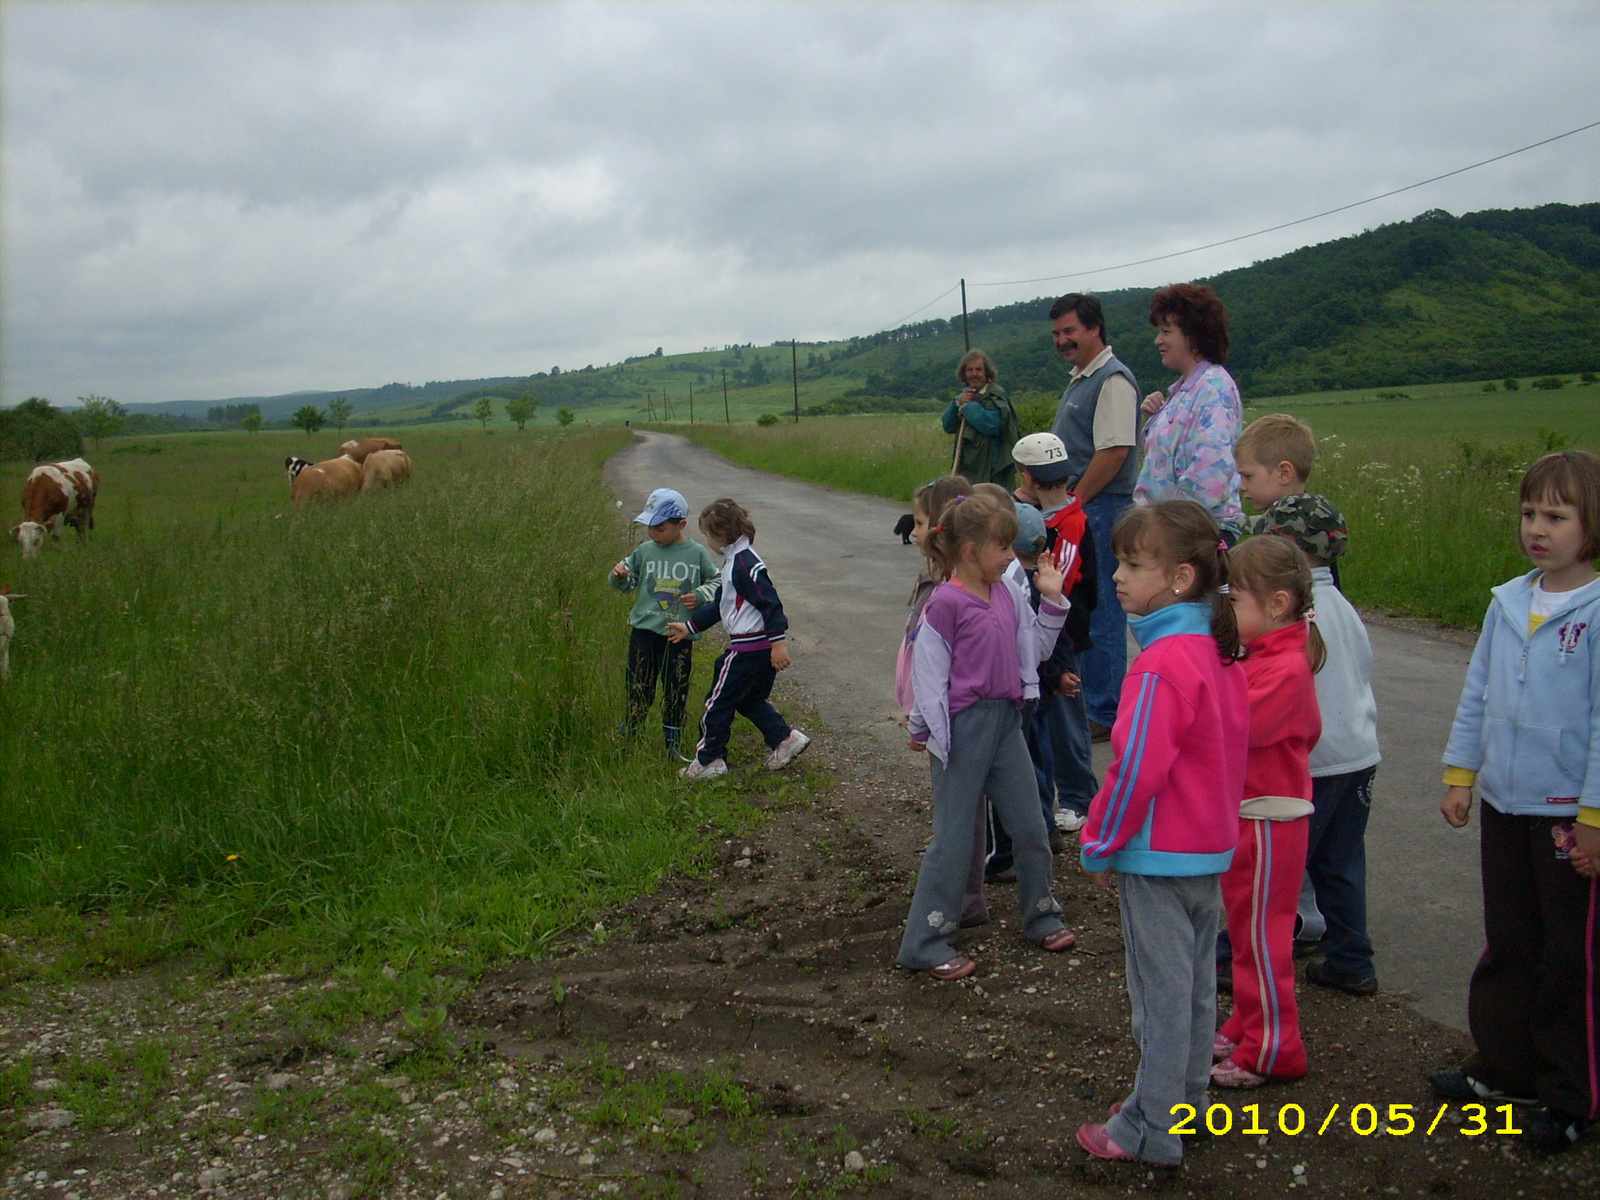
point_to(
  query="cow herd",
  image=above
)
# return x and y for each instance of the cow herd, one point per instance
(363, 463)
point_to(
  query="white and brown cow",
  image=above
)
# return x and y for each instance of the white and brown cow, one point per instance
(324, 480)
(54, 495)
(359, 448)
(8, 629)
(385, 467)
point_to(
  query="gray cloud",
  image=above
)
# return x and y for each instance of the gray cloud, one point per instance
(211, 200)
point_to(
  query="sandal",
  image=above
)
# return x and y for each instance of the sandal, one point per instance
(1061, 939)
(1097, 1142)
(956, 968)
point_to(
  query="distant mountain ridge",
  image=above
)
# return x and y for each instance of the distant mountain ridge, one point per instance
(1438, 298)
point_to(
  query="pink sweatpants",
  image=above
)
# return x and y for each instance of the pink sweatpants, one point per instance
(1261, 892)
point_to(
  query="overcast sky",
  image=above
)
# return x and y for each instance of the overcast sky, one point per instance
(204, 200)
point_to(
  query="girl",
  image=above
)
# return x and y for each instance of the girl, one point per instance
(976, 660)
(1527, 735)
(929, 499)
(748, 606)
(1271, 592)
(1167, 815)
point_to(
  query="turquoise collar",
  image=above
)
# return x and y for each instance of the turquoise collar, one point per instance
(1186, 617)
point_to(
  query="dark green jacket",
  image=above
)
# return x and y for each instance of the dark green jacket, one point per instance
(991, 432)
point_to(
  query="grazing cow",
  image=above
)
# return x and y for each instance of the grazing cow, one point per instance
(7, 628)
(324, 480)
(384, 467)
(54, 495)
(359, 448)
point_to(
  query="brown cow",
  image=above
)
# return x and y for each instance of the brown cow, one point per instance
(54, 495)
(359, 448)
(385, 467)
(324, 480)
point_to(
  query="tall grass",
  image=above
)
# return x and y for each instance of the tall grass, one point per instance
(382, 723)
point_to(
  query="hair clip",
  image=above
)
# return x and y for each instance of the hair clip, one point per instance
(1311, 616)
(936, 529)
(1222, 547)
(960, 497)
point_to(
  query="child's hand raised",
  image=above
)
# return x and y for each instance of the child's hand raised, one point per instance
(1052, 570)
(677, 631)
(620, 571)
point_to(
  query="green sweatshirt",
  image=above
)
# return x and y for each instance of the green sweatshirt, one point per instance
(662, 574)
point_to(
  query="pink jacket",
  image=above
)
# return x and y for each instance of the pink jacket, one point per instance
(1285, 724)
(1170, 801)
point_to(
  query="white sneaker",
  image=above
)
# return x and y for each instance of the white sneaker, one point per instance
(791, 748)
(1069, 820)
(715, 769)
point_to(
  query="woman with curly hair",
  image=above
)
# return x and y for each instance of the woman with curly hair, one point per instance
(1189, 438)
(984, 424)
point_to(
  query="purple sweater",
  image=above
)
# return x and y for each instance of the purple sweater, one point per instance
(970, 649)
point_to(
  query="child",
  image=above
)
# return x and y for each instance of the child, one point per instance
(1269, 586)
(1042, 461)
(1275, 456)
(1167, 816)
(748, 606)
(1527, 735)
(976, 661)
(671, 573)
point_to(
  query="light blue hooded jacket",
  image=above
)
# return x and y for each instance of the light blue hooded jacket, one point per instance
(1529, 722)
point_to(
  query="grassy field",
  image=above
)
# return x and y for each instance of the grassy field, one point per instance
(1427, 480)
(383, 727)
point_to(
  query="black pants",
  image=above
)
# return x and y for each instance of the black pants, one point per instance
(740, 683)
(650, 655)
(1534, 1003)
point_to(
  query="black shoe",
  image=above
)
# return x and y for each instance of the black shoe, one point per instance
(1225, 978)
(1454, 1083)
(1321, 974)
(1306, 949)
(1004, 873)
(1058, 843)
(1099, 732)
(1550, 1131)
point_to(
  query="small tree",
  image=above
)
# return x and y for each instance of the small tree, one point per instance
(484, 411)
(1550, 383)
(767, 419)
(251, 422)
(1512, 384)
(100, 416)
(565, 415)
(339, 414)
(1490, 387)
(521, 410)
(308, 417)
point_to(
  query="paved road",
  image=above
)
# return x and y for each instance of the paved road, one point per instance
(845, 578)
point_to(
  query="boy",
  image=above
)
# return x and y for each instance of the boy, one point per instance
(1275, 455)
(671, 573)
(1041, 460)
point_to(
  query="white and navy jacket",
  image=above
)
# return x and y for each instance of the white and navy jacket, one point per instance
(746, 602)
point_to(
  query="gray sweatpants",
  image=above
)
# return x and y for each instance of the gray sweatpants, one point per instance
(987, 757)
(1169, 927)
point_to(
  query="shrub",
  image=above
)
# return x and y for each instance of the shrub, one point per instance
(1550, 383)
(767, 419)
(1490, 387)
(1587, 377)
(1512, 385)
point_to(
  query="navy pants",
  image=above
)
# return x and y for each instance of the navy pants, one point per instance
(1066, 720)
(651, 656)
(740, 683)
(1105, 662)
(1336, 863)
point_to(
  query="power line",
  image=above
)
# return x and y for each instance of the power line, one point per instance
(1260, 232)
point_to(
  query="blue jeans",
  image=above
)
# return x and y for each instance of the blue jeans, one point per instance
(1106, 661)
(1068, 729)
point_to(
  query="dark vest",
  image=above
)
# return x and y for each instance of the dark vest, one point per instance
(1074, 425)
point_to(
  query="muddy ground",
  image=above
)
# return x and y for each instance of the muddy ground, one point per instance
(741, 1034)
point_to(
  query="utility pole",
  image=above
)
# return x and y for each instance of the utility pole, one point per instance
(725, 417)
(649, 404)
(965, 335)
(794, 374)
(691, 404)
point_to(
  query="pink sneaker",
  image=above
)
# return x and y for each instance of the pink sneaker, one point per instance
(1222, 1048)
(1229, 1074)
(1097, 1142)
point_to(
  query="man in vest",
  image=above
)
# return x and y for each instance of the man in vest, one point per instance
(1098, 423)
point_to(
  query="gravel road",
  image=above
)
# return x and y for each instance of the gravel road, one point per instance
(844, 578)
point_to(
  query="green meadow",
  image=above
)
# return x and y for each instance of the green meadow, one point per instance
(1426, 475)
(382, 729)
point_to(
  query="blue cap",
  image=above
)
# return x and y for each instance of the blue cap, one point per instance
(1030, 537)
(664, 504)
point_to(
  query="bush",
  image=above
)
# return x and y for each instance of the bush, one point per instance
(1587, 377)
(1490, 387)
(36, 431)
(767, 419)
(1550, 383)
(1512, 385)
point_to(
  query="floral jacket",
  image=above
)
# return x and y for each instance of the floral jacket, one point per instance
(1188, 446)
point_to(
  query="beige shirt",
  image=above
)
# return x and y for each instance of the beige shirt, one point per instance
(1116, 412)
